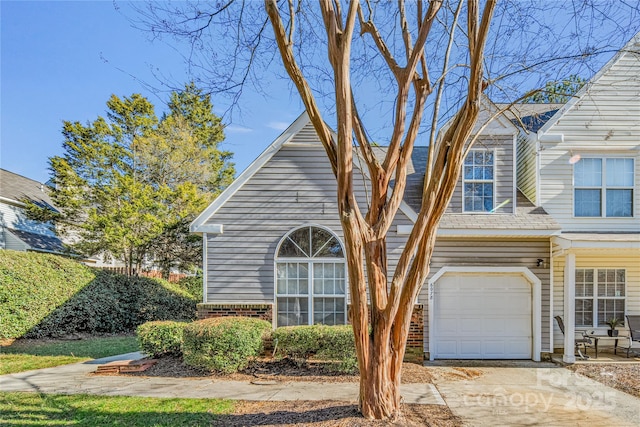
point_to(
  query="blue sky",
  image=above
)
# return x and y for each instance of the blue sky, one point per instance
(63, 60)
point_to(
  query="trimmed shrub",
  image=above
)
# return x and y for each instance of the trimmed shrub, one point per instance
(338, 344)
(297, 342)
(223, 344)
(161, 338)
(330, 343)
(43, 295)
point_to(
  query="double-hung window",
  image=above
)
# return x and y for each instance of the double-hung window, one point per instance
(603, 187)
(478, 181)
(600, 296)
(310, 279)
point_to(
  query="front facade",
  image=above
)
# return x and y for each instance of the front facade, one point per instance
(274, 249)
(543, 222)
(17, 232)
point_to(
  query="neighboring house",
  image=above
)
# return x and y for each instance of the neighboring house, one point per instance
(17, 232)
(582, 166)
(273, 245)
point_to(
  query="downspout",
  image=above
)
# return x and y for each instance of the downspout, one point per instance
(204, 268)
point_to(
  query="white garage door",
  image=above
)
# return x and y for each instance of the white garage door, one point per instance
(482, 316)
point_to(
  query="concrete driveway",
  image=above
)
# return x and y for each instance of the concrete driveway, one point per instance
(533, 395)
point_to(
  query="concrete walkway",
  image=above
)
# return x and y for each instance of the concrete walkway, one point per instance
(77, 378)
(504, 394)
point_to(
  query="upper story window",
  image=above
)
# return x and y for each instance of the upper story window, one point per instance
(478, 181)
(603, 187)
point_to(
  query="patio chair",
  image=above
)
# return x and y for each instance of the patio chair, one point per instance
(633, 322)
(584, 340)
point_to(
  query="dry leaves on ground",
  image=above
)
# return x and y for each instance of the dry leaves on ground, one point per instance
(624, 377)
(329, 413)
(324, 413)
(282, 370)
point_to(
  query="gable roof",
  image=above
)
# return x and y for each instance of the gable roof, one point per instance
(198, 224)
(632, 45)
(526, 217)
(530, 116)
(15, 188)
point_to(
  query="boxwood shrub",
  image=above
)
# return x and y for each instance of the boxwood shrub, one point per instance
(224, 344)
(161, 338)
(330, 343)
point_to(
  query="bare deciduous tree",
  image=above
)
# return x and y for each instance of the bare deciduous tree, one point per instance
(409, 51)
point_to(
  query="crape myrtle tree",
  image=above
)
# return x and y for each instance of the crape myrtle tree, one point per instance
(128, 185)
(418, 67)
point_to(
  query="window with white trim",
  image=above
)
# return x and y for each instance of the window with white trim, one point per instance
(600, 296)
(478, 181)
(310, 279)
(603, 187)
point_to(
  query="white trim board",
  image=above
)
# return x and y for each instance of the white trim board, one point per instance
(403, 229)
(536, 295)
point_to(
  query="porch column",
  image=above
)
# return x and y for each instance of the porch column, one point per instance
(569, 308)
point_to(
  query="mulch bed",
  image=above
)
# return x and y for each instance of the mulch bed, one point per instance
(329, 413)
(282, 370)
(621, 376)
(324, 413)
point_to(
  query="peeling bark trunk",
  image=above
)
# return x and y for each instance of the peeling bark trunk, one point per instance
(380, 351)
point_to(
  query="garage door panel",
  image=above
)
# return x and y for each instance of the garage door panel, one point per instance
(482, 316)
(470, 349)
(447, 348)
(469, 327)
(493, 349)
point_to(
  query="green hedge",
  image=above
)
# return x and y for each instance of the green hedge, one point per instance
(223, 344)
(44, 295)
(193, 285)
(162, 337)
(330, 343)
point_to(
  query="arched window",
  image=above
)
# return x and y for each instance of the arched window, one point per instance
(310, 278)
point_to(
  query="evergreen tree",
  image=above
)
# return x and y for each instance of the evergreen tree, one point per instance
(128, 185)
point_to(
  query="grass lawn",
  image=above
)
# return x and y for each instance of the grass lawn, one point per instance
(86, 410)
(24, 355)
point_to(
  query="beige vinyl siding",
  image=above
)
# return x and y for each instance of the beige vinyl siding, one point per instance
(503, 174)
(294, 188)
(526, 170)
(498, 253)
(604, 122)
(629, 260)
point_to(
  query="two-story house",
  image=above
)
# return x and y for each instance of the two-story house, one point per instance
(543, 222)
(17, 232)
(582, 166)
(273, 248)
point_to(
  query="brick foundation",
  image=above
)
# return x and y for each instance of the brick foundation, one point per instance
(414, 352)
(258, 311)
